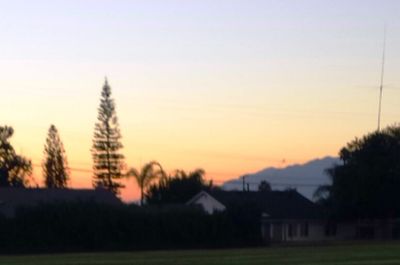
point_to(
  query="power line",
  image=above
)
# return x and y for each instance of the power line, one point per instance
(221, 182)
(239, 183)
(71, 168)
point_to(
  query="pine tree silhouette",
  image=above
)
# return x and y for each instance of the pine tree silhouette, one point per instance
(55, 165)
(107, 160)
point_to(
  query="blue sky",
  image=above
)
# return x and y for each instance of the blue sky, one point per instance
(230, 86)
(159, 31)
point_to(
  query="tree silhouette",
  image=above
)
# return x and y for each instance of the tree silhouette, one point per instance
(55, 166)
(264, 186)
(367, 182)
(178, 188)
(14, 169)
(150, 172)
(107, 159)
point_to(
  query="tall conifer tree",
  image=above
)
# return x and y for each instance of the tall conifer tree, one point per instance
(55, 166)
(107, 159)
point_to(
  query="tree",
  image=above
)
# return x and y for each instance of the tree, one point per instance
(55, 166)
(178, 188)
(14, 169)
(107, 159)
(264, 186)
(367, 182)
(149, 173)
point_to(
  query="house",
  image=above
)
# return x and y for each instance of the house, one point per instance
(12, 198)
(285, 216)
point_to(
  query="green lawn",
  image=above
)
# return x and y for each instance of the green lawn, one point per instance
(373, 254)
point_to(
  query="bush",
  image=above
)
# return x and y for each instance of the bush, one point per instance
(88, 226)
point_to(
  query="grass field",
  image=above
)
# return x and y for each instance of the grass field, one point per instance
(374, 254)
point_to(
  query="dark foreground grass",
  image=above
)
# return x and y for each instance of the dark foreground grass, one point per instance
(374, 254)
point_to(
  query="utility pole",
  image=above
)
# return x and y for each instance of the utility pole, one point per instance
(244, 182)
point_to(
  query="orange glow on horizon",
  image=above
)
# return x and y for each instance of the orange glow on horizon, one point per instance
(82, 177)
(230, 87)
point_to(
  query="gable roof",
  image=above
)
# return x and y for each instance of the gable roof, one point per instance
(196, 197)
(275, 204)
(208, 202)
(12, 198)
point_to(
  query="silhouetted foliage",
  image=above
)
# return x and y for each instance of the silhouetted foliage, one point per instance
(55, 167)
(178, 188)
(149, 173)
(367, 183)
(264, 186)
(14, 169)
(87, 226)
(107, 159)
(246, 219)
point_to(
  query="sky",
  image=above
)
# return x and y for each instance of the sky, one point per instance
(228, 86)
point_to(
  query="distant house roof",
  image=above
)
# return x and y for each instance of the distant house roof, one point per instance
(208, 202)
(275, 204)
(12, 198)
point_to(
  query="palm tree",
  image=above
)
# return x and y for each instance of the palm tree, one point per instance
(150, 172)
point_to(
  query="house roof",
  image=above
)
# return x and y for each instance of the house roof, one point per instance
(275, 204)
(12, 198)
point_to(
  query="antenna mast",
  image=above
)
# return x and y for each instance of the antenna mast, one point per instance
(381, 84)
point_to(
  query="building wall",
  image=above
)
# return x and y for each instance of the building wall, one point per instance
(306, 231)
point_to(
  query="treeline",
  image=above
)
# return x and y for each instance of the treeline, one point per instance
(109, 168)
(64, 227)
(108, 161)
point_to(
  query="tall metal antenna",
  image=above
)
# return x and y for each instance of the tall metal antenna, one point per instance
(382, 74)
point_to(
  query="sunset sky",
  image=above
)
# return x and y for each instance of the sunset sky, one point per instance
(228, 86)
